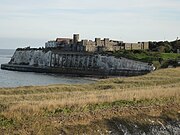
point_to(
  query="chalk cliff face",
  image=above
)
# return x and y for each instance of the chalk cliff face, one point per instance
(76, 60)
(31, 57)
(112, 63)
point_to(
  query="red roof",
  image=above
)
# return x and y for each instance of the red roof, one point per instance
(62, 39)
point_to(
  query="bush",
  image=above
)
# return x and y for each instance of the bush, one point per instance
(156, 64)
(165, 64)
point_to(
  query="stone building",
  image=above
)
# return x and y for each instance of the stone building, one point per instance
(68, 44)
(136, 46)
(51, 44)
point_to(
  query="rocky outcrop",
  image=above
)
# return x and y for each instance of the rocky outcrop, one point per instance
(120, 128)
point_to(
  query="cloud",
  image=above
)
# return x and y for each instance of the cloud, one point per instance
(130, 20)
(55, 7)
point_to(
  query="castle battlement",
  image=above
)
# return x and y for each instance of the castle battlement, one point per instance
(98, 45)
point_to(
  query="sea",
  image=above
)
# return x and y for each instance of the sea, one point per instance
(18, 79)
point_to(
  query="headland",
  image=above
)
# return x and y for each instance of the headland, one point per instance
(83, 58)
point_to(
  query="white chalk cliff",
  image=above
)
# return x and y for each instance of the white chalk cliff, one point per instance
(63, 60)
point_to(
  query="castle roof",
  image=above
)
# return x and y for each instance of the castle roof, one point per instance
(62, 39)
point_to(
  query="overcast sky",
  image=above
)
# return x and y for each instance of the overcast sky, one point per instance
(32, 22)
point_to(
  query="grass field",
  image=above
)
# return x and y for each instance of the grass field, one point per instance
(146, 56)
(55, 108)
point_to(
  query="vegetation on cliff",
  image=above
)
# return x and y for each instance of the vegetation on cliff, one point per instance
(161, 54)
(165, 46)
(159, 60)
(91, 108)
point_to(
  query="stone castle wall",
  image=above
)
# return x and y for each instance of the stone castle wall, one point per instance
(98, 45)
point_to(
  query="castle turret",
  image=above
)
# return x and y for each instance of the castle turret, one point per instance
(106, 42)
(98, 41)
(75, 38)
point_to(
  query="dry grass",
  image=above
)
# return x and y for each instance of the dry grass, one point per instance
(28, 110)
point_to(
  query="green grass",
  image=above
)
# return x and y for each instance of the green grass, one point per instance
(167, 56)
(5, 122)
(159, 60)
(146, 56)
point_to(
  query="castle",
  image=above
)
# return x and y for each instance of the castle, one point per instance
(73, 44)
